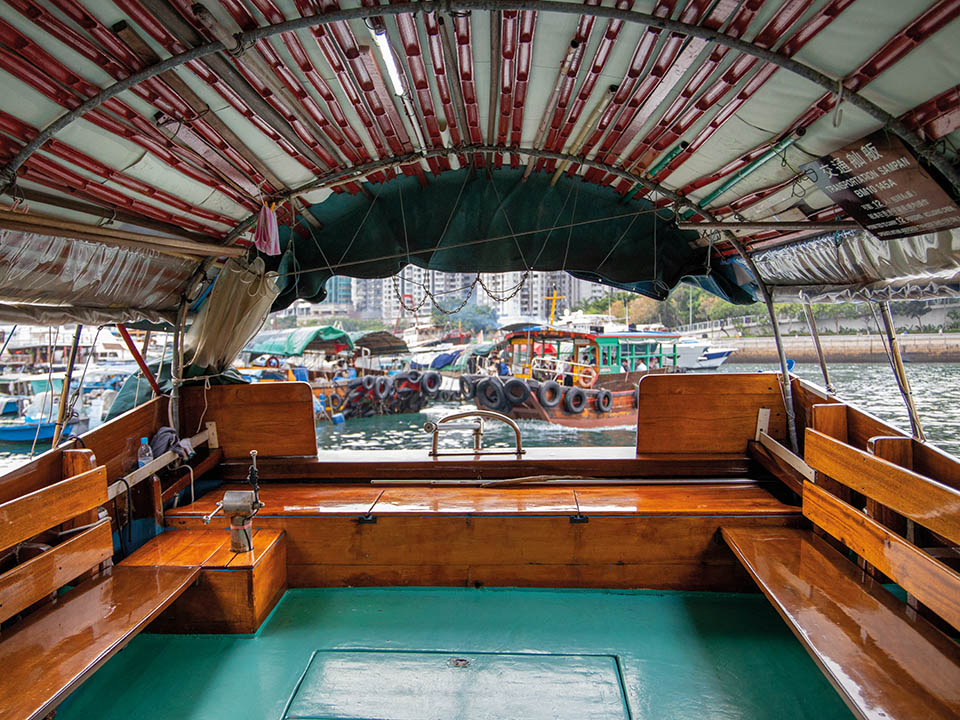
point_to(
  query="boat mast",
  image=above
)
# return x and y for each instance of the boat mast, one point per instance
(65, 390)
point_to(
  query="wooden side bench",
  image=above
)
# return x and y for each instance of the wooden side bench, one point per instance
(53, 649)
(883, 659)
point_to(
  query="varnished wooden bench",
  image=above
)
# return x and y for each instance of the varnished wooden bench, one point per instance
(884, 660)
(50, 651)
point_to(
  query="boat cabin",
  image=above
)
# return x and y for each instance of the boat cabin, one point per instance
(543, 353)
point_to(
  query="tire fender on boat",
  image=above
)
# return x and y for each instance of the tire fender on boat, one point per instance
(468, 387)
(490, 394)
(383, 387)
(604, 400)
(335, 400)
(575, 400)
(549, 394)
(430, 383)
(368, 381)
(516, 391)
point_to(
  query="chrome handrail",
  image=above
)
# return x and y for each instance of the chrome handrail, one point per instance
(477, 428)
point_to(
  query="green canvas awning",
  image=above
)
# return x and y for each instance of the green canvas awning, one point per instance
(467, 221)
(297, 341)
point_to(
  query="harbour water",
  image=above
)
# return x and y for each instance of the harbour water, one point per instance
(936, 388)
(870, 386)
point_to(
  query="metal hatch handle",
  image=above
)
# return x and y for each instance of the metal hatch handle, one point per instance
(477, 428)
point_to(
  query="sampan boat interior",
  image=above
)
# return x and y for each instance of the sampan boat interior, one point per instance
(656, 581)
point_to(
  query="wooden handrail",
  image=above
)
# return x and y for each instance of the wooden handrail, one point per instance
(153, 466)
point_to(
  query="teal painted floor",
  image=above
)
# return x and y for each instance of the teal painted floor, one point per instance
(701, 656)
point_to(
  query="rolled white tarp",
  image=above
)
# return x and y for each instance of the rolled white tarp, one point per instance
(855, 266)
(234, 312)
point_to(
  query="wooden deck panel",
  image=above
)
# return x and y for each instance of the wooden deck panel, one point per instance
(171, 549)
(884, 663)
(234, 592)
(745, 498)
(55, 649)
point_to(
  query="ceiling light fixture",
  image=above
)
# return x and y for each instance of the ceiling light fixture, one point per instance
(386, 52)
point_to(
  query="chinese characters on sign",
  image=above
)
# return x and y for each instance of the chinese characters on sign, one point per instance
(878, 182)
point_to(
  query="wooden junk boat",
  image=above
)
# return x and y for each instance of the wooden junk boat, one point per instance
(577, 379)
(142, 140)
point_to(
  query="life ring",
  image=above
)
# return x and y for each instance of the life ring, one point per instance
(468, 387)
(516, 391)
(382, 387)
(272, 361)
(335, 400)
(490, 394)
(430, 382)
(575, 400)
(586, 377)
(604, 401)
(549, 394)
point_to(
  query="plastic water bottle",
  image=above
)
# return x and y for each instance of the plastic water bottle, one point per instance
(144, 454)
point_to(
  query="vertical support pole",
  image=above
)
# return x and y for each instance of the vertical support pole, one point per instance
(815, 334)
(176, 366)
(784, 373)
(897, 362)
(65, 390)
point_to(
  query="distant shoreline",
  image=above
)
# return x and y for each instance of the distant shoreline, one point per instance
(844, 348)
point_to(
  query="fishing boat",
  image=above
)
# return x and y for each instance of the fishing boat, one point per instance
(577, 379)
(764, 549)
(38, 421)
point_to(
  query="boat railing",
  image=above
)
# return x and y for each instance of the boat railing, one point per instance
(476, 428)
(584, 374)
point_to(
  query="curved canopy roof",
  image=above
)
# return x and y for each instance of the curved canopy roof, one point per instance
(172, 122)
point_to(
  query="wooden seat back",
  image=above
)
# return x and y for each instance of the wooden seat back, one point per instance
(872, 483)
(275, 419)
(71, 552)
(709, 413)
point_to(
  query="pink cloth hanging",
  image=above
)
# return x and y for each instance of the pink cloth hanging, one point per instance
(267, 235)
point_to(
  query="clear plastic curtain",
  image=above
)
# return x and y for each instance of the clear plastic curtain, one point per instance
(233, 313)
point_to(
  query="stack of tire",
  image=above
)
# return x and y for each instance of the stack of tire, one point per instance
(502, 394)
(386, 394)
